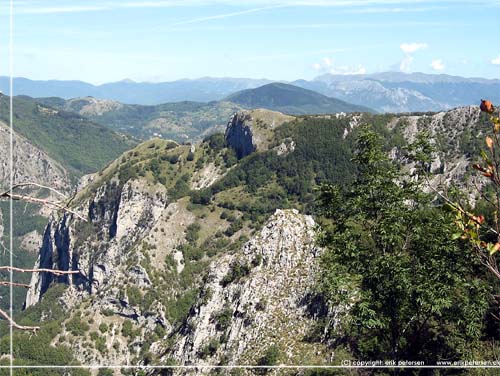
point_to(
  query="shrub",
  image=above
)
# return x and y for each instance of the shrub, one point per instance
(127, 328)
(107, 312)
(180, 188)
(236, 272)
(134, 296)
(202, 197)
(174, 159)
(216, 141)
(234, 227)
(223, 318)
(193, 232)
(105, 372)
(94, 336)
(261, 305)
(103, 328)
(209, 349)
(270, 357)
(100, 345)
(76, 326)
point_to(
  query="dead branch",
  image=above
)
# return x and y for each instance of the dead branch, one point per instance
(459, 208)
(46, 202)
(14, 284)
(16, 325)
(9, 194)
(40, 270)
(28, 184)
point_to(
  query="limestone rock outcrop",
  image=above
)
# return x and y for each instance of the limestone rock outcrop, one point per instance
(30, 163)
(257, 297)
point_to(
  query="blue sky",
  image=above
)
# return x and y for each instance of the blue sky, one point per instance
(161, 40)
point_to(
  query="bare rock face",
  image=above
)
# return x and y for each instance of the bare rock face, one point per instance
(446, 132)
(239, 134)
(250, 131)
(32, 241)
(256, 298)
(205, 177)
(120, 217)
(30, 163)
(252, 299)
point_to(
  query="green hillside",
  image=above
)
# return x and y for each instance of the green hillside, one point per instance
(80, 145)
(178, 121)
(292, 100)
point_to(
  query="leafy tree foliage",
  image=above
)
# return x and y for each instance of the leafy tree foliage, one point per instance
(412, 292)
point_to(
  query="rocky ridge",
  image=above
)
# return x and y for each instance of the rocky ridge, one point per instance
(241, 316)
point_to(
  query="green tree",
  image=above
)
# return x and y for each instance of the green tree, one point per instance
(412, 292)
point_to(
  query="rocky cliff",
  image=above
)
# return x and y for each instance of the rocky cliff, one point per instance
(252, 299)
(30, 163)
(250, 131)
(456, 136)
(257, 298)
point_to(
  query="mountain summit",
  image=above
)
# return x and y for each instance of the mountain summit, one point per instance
(292, 100)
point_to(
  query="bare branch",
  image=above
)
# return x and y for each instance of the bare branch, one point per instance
(40, 270)
(14, 284)
(58, 205)
(27, 184)
(16, 325)
(459, 208)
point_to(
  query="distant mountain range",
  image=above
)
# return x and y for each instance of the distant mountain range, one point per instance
(401, 92)
(127, 91)
(292, 99)
(383, 92)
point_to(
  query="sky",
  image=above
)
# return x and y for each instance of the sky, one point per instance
(100, 41)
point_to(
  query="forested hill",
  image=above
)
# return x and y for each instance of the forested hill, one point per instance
(78, 144)
(180, 121)
(292, 99)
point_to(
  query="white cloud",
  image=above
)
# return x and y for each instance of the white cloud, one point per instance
(406, 63)
(327, 65)
(409, 48)
(437, 65)
(496, 61)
